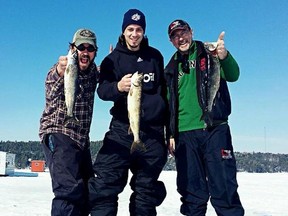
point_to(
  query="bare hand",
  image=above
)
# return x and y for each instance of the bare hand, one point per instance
(125, 83)
(171, 146)
(221, 50)
(62, 63)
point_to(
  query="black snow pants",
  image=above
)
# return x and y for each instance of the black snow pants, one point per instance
(206, 168)
(70, 168)
(112, 166)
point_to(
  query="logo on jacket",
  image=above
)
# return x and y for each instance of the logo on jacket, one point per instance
(203, 64)
(139, 59)
(149, 77)
(226, 154)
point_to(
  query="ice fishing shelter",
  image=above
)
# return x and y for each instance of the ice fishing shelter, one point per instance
(7, 163)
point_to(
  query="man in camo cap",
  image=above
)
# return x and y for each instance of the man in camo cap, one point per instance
(66, 146)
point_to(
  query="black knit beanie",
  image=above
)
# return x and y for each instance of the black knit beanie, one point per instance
(133, 16)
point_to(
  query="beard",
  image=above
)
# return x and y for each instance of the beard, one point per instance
(84, 62)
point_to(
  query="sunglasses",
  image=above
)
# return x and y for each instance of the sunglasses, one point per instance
(183, 33)
(90, 48)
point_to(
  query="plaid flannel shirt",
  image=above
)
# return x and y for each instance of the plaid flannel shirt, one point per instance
(52, 120)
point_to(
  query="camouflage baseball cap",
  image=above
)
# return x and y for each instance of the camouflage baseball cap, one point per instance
(84, 36)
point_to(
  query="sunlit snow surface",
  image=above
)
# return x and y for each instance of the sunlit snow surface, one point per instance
(262, 194)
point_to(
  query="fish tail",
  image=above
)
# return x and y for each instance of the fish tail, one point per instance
(137, 145)
(71, 119)
(207, 118)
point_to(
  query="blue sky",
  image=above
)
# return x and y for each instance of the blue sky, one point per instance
(34, 34)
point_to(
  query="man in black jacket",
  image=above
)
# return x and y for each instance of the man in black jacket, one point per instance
(200, 104)
(114, 159)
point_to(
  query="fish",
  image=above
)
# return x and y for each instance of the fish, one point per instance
(213, 81)
(134, 111)
(70, 87)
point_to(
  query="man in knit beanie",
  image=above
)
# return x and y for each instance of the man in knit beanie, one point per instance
(115, 159)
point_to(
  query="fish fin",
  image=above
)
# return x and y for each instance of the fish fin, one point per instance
(137, 145)
(131, 91)
(129, 130)
(71, 119)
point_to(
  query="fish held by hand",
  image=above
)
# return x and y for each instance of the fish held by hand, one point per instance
(70, 86)
(134, 110)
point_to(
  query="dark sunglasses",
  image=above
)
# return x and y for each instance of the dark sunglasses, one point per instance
(90, 48)
(183, 33)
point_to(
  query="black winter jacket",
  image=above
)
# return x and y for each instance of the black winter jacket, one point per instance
(122, 61)
(222, 108)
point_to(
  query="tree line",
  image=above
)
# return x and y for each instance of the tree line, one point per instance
(254, 162)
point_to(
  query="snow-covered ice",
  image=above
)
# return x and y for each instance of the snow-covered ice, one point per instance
(262, 194)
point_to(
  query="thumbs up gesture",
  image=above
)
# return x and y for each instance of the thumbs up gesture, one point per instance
(221, 50)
